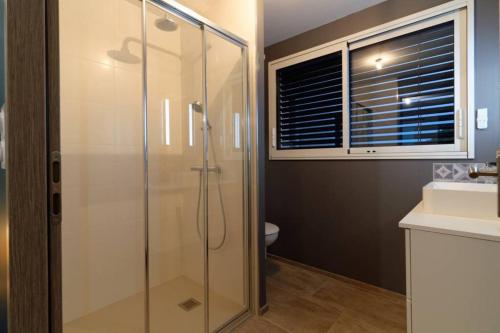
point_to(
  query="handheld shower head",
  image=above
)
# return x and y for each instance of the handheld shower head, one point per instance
(197, 107)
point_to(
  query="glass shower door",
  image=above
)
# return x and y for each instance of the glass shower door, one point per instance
(101, 137)
(154, 208)
(175, 157)
(227, 196)
(196, 93)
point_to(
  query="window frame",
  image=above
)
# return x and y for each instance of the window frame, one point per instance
(313, 153)
(460, 72)
(459, 11)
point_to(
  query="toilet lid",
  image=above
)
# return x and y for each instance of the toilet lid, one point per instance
(271, 228)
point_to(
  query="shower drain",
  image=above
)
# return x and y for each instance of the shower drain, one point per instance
(189, 304)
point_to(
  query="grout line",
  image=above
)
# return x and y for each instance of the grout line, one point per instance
(277, 325)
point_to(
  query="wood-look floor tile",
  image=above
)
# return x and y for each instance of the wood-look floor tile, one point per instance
(302, 300)
(294, 279)
(381, 309)
(297, 314)
(259, 324)
(349, 322)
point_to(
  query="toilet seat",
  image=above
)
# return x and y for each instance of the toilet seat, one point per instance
(271, 229)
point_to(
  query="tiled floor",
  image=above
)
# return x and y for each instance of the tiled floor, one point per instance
(304, 301)
(300, 301)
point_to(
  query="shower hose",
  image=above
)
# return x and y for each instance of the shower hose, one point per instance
(218, 173)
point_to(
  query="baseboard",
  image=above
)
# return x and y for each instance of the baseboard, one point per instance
(263, 309)
(236, 323)
(329, 274)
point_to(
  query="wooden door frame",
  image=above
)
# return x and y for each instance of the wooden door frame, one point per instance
(54, 148)
(32, 96)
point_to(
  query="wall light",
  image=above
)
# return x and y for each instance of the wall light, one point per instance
(379, 63)
(411, 100)
(190, 125)
(166, 122)
(236, 124)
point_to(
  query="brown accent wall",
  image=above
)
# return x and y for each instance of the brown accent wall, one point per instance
(342, 216)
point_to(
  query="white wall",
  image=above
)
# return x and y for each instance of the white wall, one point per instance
(101, 143)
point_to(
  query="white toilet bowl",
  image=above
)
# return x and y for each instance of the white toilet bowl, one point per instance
(272, 231)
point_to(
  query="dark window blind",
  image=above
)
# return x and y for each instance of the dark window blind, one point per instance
(402, 90)
(309, 103)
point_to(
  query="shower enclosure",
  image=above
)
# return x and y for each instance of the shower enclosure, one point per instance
(154, 150)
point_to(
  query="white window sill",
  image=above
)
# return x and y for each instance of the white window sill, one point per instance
(379, 156)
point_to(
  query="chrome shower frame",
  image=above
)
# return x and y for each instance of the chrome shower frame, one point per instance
(206, 26)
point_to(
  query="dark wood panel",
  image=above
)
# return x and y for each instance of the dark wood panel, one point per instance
(26, 177)
(53, 117)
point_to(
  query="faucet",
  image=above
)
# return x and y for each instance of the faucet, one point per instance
(475, 172)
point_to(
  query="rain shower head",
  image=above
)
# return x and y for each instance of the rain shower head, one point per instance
(124, 55)
(166, 24)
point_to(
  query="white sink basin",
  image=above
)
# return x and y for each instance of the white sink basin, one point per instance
(461, 199)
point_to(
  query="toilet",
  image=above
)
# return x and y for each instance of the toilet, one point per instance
(272, 231)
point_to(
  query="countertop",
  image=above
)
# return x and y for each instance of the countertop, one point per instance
(452, 225)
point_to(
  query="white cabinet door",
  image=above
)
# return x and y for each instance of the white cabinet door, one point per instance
(455, 284)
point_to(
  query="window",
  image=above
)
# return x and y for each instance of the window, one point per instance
(309, 99)
(395, 93)
(309, 103)
(402, 90)
(406, 93)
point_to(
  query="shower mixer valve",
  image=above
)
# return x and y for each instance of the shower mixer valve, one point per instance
(215, 169)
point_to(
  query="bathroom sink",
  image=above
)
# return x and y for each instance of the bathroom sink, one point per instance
(461, 199)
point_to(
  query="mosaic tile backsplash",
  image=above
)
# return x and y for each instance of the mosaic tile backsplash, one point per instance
(458, 172)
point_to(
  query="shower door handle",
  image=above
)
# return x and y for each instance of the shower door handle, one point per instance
(55, 187)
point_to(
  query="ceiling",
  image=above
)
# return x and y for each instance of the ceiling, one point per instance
(286, 18)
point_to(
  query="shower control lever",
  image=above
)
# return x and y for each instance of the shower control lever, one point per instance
(215, 169)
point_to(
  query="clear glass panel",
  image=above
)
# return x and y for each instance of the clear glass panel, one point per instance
(102, 132)
(174, 66)
(403, 90)
(102, 166)
(226, 186)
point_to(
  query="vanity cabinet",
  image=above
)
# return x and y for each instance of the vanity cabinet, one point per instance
(453, 259)
(453, 279)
